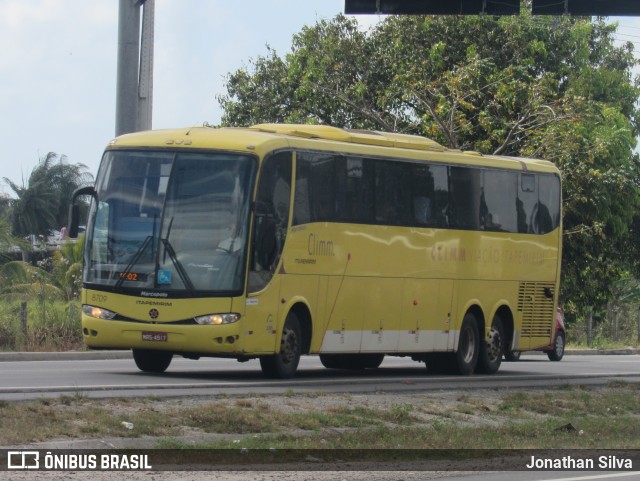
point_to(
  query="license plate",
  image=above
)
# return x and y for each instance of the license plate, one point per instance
(155, 336)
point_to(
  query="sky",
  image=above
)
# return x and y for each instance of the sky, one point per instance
(58, 67)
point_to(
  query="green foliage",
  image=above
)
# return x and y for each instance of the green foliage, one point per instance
(52, 325)
(7, 241)
(67, 268)
(554, 88)
(42, 205)
(21, 281)
(51, 292)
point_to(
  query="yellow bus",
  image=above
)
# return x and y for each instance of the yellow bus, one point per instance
(276, 241)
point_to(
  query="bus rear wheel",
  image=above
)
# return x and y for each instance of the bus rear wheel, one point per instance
(465, 359)
(284, 364)
(490, 355)
(152, 361)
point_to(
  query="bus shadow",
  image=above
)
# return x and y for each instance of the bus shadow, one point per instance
(253, 373)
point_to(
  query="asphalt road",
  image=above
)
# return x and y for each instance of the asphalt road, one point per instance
(28, 376)
(101, 375)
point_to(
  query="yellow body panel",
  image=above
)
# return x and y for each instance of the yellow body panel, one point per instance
(367, 288)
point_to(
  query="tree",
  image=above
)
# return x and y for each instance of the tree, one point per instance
(7, 241)
(67, 268)
(42, 205)
(554, 88)
(22, 281)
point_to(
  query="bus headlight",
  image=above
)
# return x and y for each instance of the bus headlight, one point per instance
(217, 319)
(98, 312)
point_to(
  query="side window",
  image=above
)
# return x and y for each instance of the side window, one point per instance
(498, 206)
(333, 188)
(271, 219)
(302, 195)
(548, 215)
(465, 192)
(315, 188)
(526, 203)
(430, 195)
(354, 190)
(392, 197)
(422, 195)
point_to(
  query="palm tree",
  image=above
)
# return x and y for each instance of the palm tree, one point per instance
(42, 204)
(67, 268)
(21, 281)
(7, 241)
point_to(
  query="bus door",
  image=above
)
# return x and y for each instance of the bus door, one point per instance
(263, 314)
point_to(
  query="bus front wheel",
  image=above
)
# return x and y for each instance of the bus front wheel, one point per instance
(152, 361)
(284, 364)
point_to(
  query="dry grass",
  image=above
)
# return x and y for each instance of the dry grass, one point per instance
(568, 418)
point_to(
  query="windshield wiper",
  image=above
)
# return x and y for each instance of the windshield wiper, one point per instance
(133, 261)
(168, 249)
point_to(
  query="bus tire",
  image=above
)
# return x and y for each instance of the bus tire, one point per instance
(149, 360)
(490, 355)
(284, 364)
(465, 359)
(351, 361)
(558, 348)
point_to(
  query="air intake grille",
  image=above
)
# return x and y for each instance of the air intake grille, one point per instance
(535, 301)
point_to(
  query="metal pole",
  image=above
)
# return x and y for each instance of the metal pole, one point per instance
(145, 84)
(128, 58)
(23, 317)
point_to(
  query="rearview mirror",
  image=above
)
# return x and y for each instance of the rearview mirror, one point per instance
(74, 209)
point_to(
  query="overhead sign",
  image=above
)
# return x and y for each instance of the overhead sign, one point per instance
(493, 7)
(433, 7)
(587, 7)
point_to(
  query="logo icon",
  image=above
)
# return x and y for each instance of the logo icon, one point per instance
(164, 277)
(153, 313)
(23, 460)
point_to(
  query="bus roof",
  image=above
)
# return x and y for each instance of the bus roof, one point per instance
(262, 138)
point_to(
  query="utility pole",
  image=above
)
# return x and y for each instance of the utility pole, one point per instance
(134, 87)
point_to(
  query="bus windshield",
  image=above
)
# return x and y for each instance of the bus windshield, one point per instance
(175, 222)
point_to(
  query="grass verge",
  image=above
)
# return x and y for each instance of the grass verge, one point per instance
(569, 417)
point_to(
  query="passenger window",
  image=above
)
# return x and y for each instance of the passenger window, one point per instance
(392, 195)
(354, 190)
(548, 215)
(498, 209)
(430, 195)
(315, 188)
(526, 203)
(465, 192)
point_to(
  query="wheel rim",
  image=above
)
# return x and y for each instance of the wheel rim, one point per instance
(494, 345)
(288, 346)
